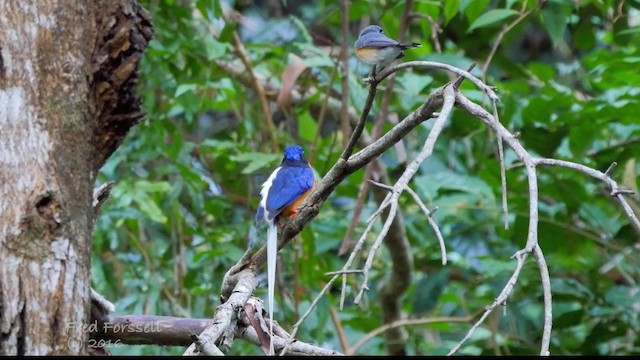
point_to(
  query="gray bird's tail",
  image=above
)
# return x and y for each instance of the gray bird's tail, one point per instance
(409, 46)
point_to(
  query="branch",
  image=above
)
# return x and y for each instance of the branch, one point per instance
(546, 291)
(227, 312)
(532, 239)
(405, 322)
(430, 64)
(176, 331)
(616, 191)
(428, 214)
(350, 163)
(392, 286)
(310, 208)
(403, 181)
(435, 30)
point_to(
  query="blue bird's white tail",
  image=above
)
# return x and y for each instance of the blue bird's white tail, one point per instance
(272, 251)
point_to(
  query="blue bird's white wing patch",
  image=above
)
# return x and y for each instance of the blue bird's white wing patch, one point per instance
(287, 186)
(263, 212)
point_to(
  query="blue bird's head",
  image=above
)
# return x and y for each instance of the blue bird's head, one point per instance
(371, 29)
(294, 153)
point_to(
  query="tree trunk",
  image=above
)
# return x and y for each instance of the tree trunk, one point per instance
(67, 77)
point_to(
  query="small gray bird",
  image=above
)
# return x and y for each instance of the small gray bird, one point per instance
(375, 48)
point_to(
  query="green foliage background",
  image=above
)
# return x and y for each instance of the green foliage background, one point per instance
(187, 178)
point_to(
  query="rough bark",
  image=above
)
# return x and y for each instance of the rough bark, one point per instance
(54, 122)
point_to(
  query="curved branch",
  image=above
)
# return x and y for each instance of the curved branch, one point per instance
(403, 181)
(546, 291)
(405, 322)
(616, 191)
(432, 64)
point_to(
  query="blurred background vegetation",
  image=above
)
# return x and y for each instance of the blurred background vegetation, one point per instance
(187, 178)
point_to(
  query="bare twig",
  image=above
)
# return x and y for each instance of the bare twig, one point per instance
(429, 214)
(405, 322)
(345, 246)
(392, 286)
(430, 64)
(435, 30)
(403, 181)
(432, 223)
(304, 316)
(342, 272)
(546, 291)
(339, 330)
(355, 135)
(503, 174)
(297, 348)
(350, 163)
(338, 172)
(500, 300)
(616, 192)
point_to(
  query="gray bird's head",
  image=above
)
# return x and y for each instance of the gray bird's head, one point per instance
(371, 29)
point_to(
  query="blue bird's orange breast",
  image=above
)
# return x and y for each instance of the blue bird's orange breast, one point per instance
(291, 210)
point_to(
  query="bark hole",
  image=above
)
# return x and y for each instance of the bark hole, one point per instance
(2, 70)
(49, 209)
(22, 350)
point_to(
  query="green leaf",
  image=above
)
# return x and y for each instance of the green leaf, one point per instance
(491, 17)
(428, 292)
(542, 71)
(450, 9)
(215, 49)
(147, 186)
(256, 161)
(631, 31)
(567, 288)
(183, 88)
(318, 61)
(473, 8)
(219, 145)
(555, 21)
(567, 314)
(151, 209)
(307, 127)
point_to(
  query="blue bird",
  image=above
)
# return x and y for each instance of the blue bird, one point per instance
(375, 48)
(281, 194)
